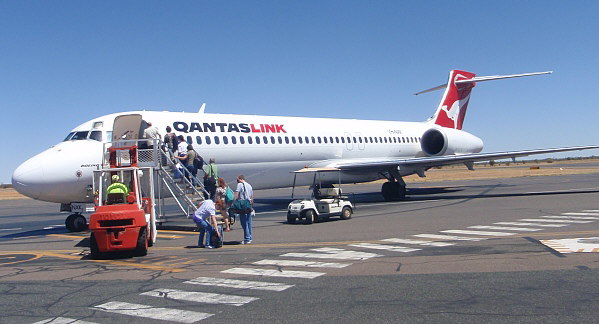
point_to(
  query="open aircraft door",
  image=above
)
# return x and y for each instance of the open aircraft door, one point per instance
(128, 127)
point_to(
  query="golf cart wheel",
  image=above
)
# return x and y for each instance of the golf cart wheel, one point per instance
(290, 218)
(346, 213)
(309, 217)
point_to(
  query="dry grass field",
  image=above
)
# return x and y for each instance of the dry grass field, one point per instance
(459, 172)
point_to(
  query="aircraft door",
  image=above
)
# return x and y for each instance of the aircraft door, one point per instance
(349, 145)
(361, 141)
(128, 127)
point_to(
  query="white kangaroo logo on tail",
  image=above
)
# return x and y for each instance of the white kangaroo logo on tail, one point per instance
(454, 112)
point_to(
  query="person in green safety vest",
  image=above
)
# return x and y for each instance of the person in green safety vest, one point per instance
(117, 187)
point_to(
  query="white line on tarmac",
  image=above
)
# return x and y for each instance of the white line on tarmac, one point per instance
(297, 263)
(572, 217)
(62, 320)
(11, 229)
(554, 220)
(531, 224)
(387, 247)
(450, 237)
(523, 229)
(333, 253)
(477, 233)
(159, 313)
(418, 242)
(591, 210)
(275, 273)
(239, 284)
(200, 297)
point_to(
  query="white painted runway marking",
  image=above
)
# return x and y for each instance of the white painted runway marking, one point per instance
(572, 217)
(200, 297)
(418, 242)
(296, 263)
(14, 229)
(530, 224)
(450, 237)
(393, 248)
(239, 284)
(477, 233)
(591, 211)
(275, 273)
(62, 320)
(523, 229)
(332, 253)
(585, 213)
(159, 313)
(554, 220)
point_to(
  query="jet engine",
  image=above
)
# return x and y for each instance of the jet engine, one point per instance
(447, 141)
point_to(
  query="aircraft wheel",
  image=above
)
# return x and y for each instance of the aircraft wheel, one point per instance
(309, 217)
(142, 242)
(346, 213)
(76, 223)
(93, 247)
(290, 218)
(387, 191)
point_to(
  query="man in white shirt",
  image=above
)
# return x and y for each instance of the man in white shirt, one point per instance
(244, 191)
(151, 133)
(205, 218)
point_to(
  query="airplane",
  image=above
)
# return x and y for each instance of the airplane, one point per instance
(267, 149)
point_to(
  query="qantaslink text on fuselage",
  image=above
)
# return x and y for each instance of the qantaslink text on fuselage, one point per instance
(228, 127)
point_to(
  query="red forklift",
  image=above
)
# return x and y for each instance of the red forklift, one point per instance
(124, 219)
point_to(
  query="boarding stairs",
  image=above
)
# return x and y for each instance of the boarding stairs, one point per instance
(183, 191)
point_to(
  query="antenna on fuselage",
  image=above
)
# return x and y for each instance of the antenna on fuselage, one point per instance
(202, 108)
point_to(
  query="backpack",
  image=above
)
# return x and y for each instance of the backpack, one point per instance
(198, 162)
(229, 195)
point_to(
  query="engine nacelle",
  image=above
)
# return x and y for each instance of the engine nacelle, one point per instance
(446, 141)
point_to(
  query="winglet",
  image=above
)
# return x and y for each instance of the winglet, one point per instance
(202, 108)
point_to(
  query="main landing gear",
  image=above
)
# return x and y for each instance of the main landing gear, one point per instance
(76, 223)
(394, 190)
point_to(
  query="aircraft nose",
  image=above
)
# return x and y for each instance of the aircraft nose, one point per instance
(27, 177)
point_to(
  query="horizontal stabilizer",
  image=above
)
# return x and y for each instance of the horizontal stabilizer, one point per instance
(483, 78)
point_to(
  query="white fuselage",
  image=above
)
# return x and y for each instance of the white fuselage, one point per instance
(266, 149)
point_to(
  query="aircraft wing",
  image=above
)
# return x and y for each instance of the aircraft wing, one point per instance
(424, 163)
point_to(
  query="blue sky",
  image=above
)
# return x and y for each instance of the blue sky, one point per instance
(65, 62)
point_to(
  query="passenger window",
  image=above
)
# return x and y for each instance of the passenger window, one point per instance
(348, 140)
(265, 139)
(208, 140)
(286, 140)
(360, 139)
(189, 140)
(355, 140)
(272, 140)
(343, 140)
(307, 140)
(225, 140)
(257, 139)
(241, 140)
(280, 140)
(376, 140)
(325, 139)
(292, 139)
(337, 139)
(250, 140)
(299, 138)
(199, 140)
(216, 140)
(233, 140)
(313, 140)
(96, 136)
(319, 140)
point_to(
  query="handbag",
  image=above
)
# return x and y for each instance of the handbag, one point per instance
(229, 195)
(241, 206)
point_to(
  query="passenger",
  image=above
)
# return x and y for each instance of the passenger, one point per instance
(210, 176)
(205, 218)
(170, 140)
(181, 145)
(244, 191)
(222, 203)
(151, 133)
(187, 160)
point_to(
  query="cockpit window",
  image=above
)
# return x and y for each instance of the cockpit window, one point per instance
(96, 136)
(98, 124)
(68, 136)
(79, 136)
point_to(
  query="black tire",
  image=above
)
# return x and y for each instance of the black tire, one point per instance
(76, 223)
(386, 190)
(93, 248)
(393, 191)
(290, 218)
(142, 242)
(309, 217)
(346, 213)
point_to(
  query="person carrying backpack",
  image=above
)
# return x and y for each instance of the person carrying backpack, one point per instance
(210, 176)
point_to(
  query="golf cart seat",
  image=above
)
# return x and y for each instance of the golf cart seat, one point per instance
(329, 192)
